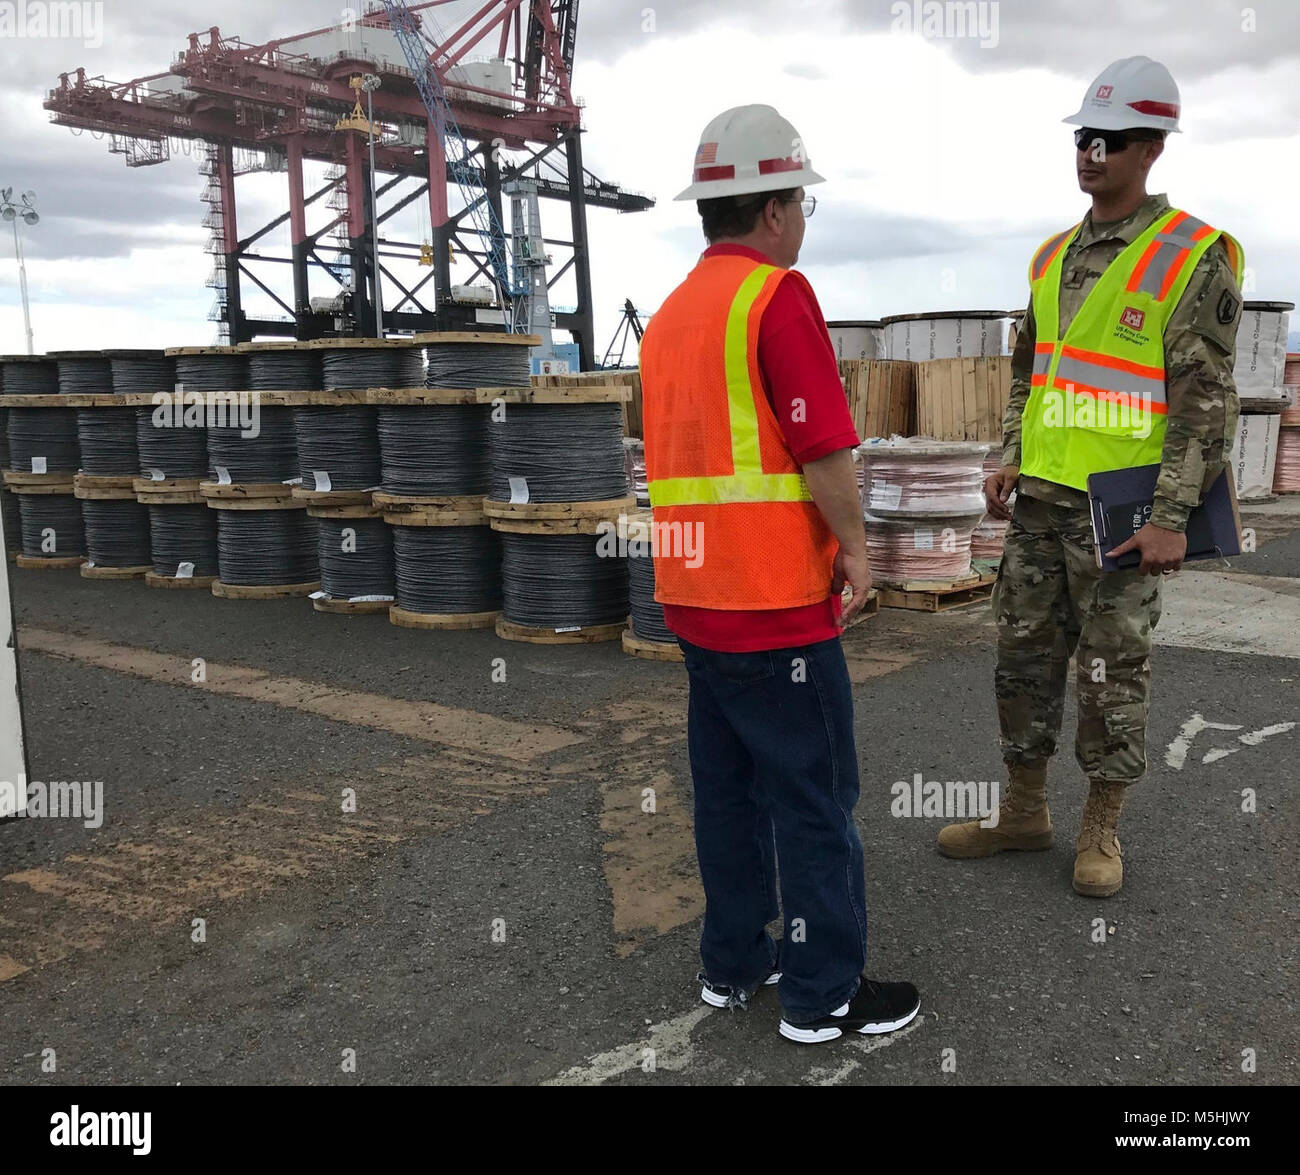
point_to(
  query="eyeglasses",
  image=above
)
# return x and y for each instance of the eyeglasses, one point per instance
(1112, 142)
(808, 205)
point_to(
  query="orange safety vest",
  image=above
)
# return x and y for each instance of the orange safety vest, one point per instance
(723, 483)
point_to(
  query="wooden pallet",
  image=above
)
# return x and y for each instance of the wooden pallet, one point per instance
(869, 609)
(963, 399)
(933, 596)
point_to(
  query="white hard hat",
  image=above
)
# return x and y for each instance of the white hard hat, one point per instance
(749, 149)
(1131, 92)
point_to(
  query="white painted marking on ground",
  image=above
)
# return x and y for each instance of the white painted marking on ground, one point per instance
(1176, 754)
(1223, 612)
(863, 1045)
(671, 1041)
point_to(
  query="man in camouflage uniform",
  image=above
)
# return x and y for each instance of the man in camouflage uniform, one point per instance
(1051, 600)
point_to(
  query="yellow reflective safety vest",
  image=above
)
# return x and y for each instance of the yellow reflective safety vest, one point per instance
(1097, 396)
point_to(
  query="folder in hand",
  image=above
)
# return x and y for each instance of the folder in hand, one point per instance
(1121, 501)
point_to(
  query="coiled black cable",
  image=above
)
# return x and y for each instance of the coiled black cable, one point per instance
(266, 548)
(564, 452)
(167, 445)
(340, 441)
(53, 519)
(433, 451)
(271, 455)
(183, 534)
(559, 581)
(447, 569)
(117, 532)
(106, 437)
(85, 377)
(31, 378)
(372, 367)
(212, 373)
(284, 371)
(4, 438)
(356, 558)
(48, 434)
(477, 365)
(647, 614)
(143, 374)
(13, 522)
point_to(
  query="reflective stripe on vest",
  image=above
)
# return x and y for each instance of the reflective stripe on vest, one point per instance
(747, 482)
(1098, 397)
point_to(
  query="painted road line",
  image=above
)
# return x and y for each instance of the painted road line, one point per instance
(862, 1045)
(669, 1040)
(449, 726)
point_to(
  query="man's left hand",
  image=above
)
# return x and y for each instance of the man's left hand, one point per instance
(1162, 550)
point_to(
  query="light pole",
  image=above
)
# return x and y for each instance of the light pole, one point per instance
(370, 83)
(11, 212)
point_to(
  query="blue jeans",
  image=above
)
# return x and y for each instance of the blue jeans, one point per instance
(776, 778)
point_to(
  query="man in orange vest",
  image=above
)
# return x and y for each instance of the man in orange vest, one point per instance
(758, 527)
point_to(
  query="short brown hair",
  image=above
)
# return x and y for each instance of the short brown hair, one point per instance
(735, 216)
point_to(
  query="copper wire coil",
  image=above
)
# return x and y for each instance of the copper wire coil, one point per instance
(1291, 414)
(925, 479)
(1286, 473)
(938, 549)
(988, 538)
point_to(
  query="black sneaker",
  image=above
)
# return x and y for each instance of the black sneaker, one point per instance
(878, 1007)
(719, 995)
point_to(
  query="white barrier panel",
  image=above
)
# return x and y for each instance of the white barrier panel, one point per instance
(1261, 349)
(860, 339)
(13, 763)
(945, 334)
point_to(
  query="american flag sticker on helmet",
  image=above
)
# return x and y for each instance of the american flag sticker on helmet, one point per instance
(706, 154)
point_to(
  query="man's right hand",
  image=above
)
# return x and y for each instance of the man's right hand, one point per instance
(854, 571)
(998, 487)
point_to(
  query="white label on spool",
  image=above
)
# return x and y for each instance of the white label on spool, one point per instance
(322, 480)
(519, 491)
(316, 595)
(924, 540)
(38, 464)
(369, 599)
(185, 571)
(156, 475)
(223, 475)
(570, 628)
(886, 496)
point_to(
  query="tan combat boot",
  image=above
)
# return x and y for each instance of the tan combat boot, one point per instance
(1098, 869)
(1023, 820)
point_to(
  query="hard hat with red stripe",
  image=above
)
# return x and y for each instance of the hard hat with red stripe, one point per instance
(1131, 92)
(749, 149)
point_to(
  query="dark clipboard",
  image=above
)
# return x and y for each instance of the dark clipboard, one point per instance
(1120, 503)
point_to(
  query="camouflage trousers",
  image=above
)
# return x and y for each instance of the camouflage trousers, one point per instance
(1051, 602)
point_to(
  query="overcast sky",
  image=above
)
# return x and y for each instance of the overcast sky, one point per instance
(945, 156)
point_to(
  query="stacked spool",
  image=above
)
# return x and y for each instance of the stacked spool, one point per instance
(945, 334)
(558, 488)
(266, 544)
(8, 499)
(1286, 473)
(338, 441)
(434, 458)
(647, 634)
(182, 530)
(115, 525)
(41, 464)
(924, 500)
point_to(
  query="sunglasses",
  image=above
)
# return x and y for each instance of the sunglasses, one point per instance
(1112, 141)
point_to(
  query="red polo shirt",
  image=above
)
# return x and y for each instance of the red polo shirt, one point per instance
(796, 360)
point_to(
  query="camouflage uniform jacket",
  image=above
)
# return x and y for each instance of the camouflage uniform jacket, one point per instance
(1200, 344)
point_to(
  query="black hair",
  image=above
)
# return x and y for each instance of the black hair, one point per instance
(736, 216)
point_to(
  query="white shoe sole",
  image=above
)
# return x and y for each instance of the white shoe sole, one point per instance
(720, 1001)
(821, 1035)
